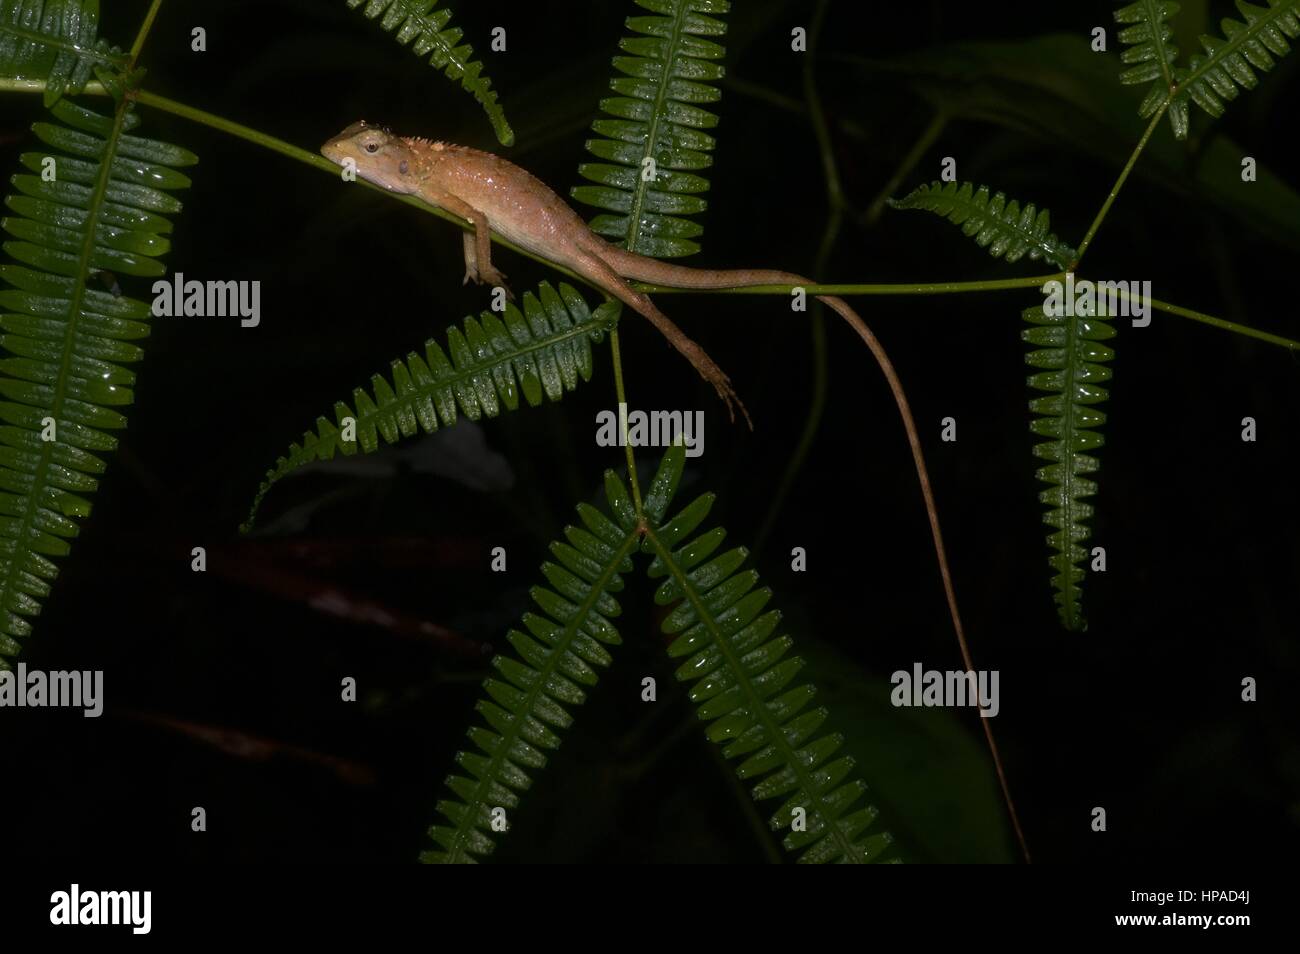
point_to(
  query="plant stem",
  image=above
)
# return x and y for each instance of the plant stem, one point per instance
(617, 357)
(917, 288)
(1119, 184)
(1221, 323)
(1226, 325)
(293, 152)
(140, 37)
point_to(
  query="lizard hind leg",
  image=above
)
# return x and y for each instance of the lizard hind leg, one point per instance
(606, 278)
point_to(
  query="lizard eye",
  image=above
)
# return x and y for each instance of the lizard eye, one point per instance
(403, 167)
(372, 147)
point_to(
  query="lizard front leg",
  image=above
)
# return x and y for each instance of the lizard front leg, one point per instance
(478, 249)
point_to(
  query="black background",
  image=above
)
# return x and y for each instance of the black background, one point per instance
(223, 688)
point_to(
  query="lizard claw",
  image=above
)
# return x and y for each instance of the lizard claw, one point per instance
(497, 279)
(732, 400)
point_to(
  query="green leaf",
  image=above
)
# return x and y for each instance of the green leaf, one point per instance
(64, 340)
(743, 684)
(1231, 61)
(1151, 57)
(417, 20)
(1003, 227)
(526, 705)
(1072, 359)
(657, 119)
(55, 41)
(538, 353)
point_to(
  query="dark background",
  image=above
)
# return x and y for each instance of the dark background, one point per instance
(223, 688)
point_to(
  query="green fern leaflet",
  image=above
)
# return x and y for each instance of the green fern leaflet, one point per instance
(1231, 63)
(742, 684)
(1072, 360)
(1003, 227)
(418, 20)
(1215, 76)
(1151, 57)
(657, 125)
(742, 679)
(539, 353)
(558, 656)
(65, 342)
(56, 41)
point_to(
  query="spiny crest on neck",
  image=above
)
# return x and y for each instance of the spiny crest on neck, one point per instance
(435, 145)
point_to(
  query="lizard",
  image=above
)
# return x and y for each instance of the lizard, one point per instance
(493, 194)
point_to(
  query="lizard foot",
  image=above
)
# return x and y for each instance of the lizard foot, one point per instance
(491, 276)
(732, 400)
(709, 371)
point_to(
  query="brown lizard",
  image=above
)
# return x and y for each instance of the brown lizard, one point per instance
(495, 195)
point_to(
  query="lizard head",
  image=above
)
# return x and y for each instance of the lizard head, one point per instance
(379, 156)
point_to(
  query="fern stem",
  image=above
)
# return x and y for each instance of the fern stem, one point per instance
(1119, 184)
(617, 357)
(1226, 325)
(143, 35)
(1221, 323)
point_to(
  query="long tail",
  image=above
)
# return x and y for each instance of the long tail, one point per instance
(644, 269)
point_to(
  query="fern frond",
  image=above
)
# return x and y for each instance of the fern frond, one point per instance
(541, 352)
(417, 20)
(656, 117)
(1151, 57)
(560, 653)
(1249, 46)
(1072, 358)
(56, 41)
(741, 677)
(64, 342)
(1001, 226)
